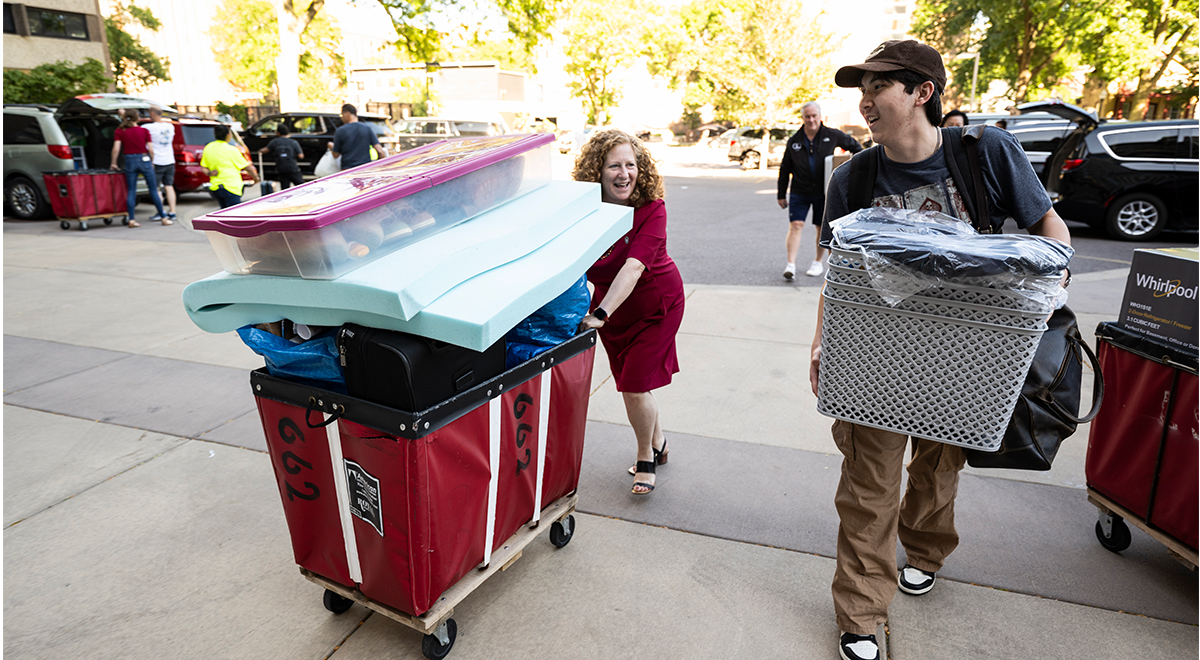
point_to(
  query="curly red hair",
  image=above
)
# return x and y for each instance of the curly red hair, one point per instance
(649, 185)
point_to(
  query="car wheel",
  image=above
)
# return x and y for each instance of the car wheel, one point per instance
(24, 200)
(1136, 217)
(750, 160)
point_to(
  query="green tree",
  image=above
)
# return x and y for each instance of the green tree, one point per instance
(510, 55)
(752, 60)
(246, 46)
(602, 37)
(417, 37)
(54, 83)
(1170, 26)
(133, 65)
(1029, 44)
(530, 21)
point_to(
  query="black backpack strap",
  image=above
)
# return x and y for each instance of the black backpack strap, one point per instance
(963, 170)
(970, 138)
(864, 167)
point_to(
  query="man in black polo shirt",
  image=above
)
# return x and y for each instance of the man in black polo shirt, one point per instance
(804, 162)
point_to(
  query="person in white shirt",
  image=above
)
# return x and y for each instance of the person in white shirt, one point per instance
(162, 136)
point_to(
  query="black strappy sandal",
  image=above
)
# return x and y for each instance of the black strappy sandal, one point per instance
(643, 466)
(660, 457)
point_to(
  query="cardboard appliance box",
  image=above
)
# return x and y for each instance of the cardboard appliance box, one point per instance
(1160, 295)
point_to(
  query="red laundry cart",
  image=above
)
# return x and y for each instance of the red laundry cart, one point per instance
(406, 513)
(1142, 458)
(83, 195)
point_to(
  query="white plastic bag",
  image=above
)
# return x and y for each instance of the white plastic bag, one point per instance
(328, 165)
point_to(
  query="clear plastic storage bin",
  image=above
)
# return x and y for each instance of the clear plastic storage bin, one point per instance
(333, 225)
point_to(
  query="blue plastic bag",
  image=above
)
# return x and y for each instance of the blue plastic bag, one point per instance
(548, 327)
(314, 361)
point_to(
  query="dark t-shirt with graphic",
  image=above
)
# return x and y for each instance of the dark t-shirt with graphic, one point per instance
(1012, 185)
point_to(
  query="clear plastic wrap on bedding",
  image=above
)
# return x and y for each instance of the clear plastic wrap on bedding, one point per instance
(908, 251)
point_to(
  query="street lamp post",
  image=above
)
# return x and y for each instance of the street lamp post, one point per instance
(974, 82)
(974, 77)
(430, 68)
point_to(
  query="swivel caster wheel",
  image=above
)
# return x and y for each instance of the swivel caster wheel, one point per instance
(108, 221)
(336, 603)
(83, 225)
(1113, 533)
(438, 645)
(65, 225)
(562, 531)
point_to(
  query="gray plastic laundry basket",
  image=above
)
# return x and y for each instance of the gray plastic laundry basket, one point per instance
(933, 367)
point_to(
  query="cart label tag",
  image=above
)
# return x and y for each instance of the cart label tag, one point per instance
(365, 502)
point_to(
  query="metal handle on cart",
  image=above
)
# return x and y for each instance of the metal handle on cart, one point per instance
(339, 410)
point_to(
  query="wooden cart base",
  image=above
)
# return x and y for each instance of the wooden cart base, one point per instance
(1117, 536)
(437, 626)
(108, 218)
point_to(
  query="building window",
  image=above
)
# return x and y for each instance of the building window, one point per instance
(10, 26)
(55, 24)
(361, 85)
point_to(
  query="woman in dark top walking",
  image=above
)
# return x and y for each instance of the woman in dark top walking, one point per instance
(139, 154)
(638, 303)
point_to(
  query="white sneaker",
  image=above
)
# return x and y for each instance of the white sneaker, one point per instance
(815, 269)
(789, 272)
(858, 647)
(914, 581)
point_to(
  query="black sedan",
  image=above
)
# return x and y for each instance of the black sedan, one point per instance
(314, 131)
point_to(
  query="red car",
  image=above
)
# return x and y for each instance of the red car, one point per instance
(88, 121)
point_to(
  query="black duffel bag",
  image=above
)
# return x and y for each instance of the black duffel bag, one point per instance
(1048, 406)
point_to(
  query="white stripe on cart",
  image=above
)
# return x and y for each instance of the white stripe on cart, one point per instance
(343, 499)
(543, 429)
(493, 483)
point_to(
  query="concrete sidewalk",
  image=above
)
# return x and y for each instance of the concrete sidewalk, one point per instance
(142, 519)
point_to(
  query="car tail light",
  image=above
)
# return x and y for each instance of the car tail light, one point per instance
(186, 157)
(1071, 163)
(59, 151)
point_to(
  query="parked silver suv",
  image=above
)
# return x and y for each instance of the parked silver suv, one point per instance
(33, 143)
(420, 131)
(746, 144)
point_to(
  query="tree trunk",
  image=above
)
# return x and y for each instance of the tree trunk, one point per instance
(287, 64)
(1093, 93)
(1148, 78)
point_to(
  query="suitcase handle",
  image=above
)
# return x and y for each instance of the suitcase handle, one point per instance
(464, 380)
(338, 408)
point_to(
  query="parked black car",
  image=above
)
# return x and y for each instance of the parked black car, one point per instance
(1040, 140)
(314, 131)
(1133, 179)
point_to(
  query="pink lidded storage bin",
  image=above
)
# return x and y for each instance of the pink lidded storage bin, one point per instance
(328, 227)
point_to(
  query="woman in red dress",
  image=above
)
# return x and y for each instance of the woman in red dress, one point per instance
(638, 303)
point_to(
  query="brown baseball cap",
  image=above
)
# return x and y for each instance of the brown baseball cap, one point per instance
(894, 56)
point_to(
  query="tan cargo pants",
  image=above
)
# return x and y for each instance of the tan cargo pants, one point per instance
(873, 515)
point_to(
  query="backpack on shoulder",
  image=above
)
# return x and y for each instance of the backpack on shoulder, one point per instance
(1047, 410)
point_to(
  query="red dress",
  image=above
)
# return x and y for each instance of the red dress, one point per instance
(639, 335)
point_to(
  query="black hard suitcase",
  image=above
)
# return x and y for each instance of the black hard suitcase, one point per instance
(411, 373)
(264, 187)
